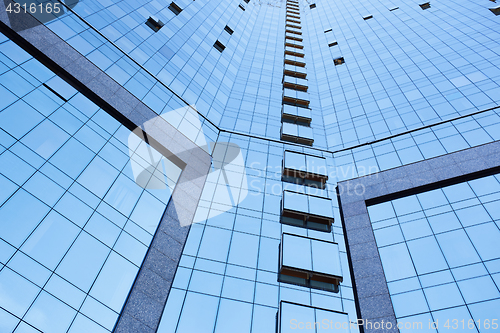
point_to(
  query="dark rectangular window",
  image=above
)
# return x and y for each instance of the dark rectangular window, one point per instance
(154, 24)
(333, 43)
(293, 38)
(297, 133)
(367, 17)
(219, 46)
(247, 1)
(495, 10)
(291, 51)
(310, 262)
(290, 80)
(175, 8)
(294, 62)
(307, 211)
(292, 20)
(304, 169)
(297, 32)
(295, 97)
(425, 5)
(295, 71)
(328, 30)
(293, 26)
(295, 45)
(312, 6)
(229, 30)
(294, 82)
(241, 6)
(296, 114)
(339, 61)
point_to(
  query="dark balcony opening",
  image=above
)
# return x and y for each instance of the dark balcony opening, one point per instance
(219, 46)
(228, 30)
(425, 5)
(175, 8)
(339, 61)
(154, 24)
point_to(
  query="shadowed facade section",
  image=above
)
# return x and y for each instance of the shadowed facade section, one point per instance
(147, 298)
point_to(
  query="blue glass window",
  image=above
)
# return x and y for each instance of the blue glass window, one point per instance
(303, 262)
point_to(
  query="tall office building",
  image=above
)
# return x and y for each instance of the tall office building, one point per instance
(257, 166)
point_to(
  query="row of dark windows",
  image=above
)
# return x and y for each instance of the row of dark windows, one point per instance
(156, 24)
(295, 112)
(303, 261)
(306, 261)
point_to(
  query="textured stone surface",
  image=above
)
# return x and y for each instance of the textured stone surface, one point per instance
(362, 235)
(464, 155)
(3, 14)
(368, 275)
(153, 285)
(372, 179)
(366, 268)
(376, 307)
(144, 308)
(372, 286)
(354, 208)
(352, 195)
(398, 185)
(416, 168)
(470, 166)
(374, 191)
(439, 162)
(489, 148)
(363, 251)
(447, 172)
(119, 103)
(128, 324)
(424, 178)
(85, 75)
(355, 222)
(168, 245)
(492, 160)
(393, 174)
(160, 264)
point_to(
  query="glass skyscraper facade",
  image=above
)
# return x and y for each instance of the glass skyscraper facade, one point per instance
(440, 256)
(255, 166)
